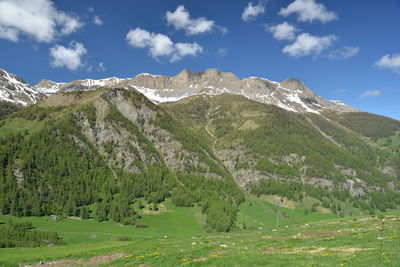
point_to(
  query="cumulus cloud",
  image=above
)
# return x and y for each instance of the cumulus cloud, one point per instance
(97, 20)
(308, 11)
(185, 49)
(68, 57)
(344, 52)
(391, 62)
(181, 20)
(160, 45)
(307, 44)
(37, 19)
(68, 23)
(8, 33)
(252, 12)
(283, 31)
(370, 94)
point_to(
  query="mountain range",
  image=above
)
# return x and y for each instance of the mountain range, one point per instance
(290, 94)
(201, 138)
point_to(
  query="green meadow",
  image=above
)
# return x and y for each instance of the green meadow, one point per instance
(20, 125)
(175, 237)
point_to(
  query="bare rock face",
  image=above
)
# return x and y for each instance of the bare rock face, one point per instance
(15, 90)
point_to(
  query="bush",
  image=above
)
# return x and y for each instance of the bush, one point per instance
(124, 238)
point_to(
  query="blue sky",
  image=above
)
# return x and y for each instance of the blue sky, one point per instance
(344, 49)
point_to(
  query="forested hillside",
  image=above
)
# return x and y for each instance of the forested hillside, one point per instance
(271, 151)
(108, 153)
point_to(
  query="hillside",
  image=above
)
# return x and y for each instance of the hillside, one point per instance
(108, 148)
(271, 151)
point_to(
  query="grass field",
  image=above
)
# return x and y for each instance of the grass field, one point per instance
(176, 238)
(19, 125)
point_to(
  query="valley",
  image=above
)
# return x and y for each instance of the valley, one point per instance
(126, 176)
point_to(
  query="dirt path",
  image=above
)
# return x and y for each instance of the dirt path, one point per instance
(81, 262)
(254, 220)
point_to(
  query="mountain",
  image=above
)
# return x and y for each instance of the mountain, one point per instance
(258, 142)
(15, 90)
(49, 87)
(290, 94)
(89, 145)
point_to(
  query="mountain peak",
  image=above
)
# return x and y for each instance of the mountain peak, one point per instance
(15, 90)
(184, 74)
(292, 83)
(212, 72)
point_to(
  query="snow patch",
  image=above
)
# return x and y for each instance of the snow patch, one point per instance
(148, 74)
(338, 102)
(295, 98)
(264, 79)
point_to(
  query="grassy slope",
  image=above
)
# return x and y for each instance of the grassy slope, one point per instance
(370, 125)
(19, 125)
(351, 242)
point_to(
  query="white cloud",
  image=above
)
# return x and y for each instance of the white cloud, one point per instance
(181, 20)
(185, 49)
(307, 44)
(344, 52)
(251, 12)
(222, 29)
(283, 31)
(101, 67)
(69, 57)
(160, 45)
(38, 19)
(67, 23)
(389, 62)
(97, 20)
(308, 11)
(9, 33)
(370, 94)
(222, 52)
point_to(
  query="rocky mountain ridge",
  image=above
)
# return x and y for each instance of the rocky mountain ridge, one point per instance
(291, 94)
(15, 90)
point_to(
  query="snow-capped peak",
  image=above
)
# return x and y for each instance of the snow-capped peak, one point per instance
(290, 94)
(15, 90)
